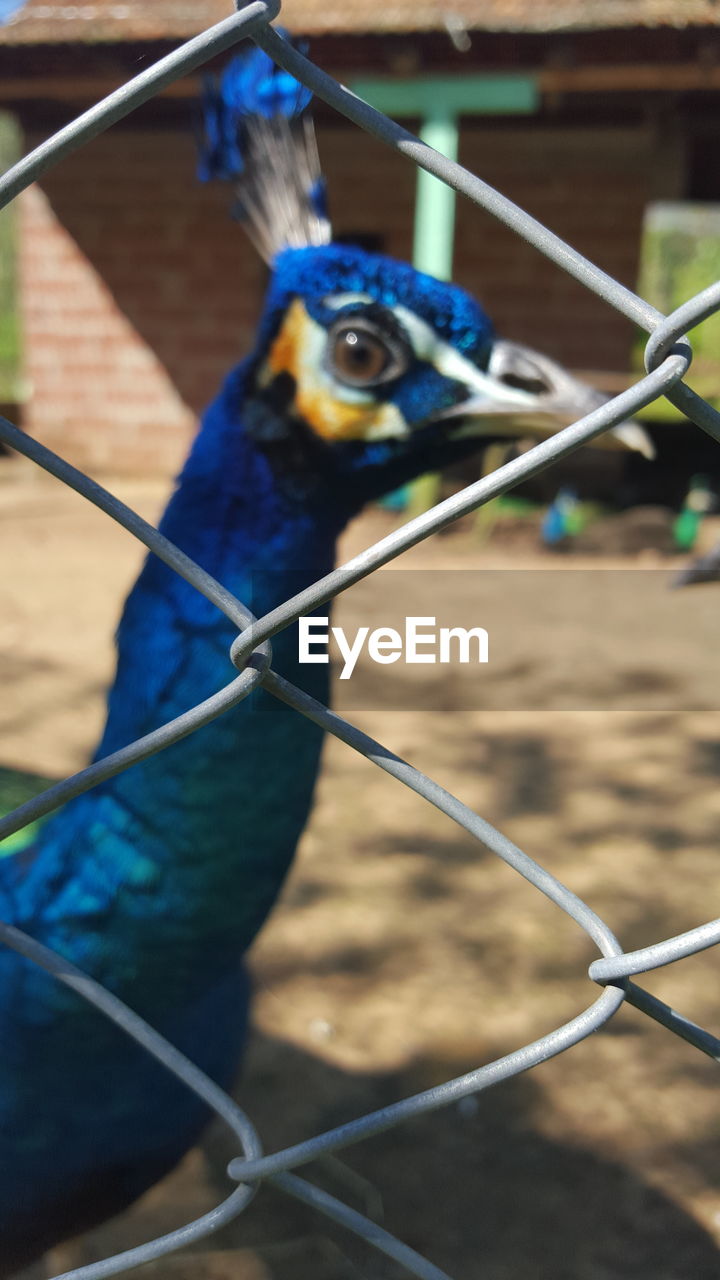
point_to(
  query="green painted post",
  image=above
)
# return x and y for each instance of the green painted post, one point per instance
(472, 95)
(434, 237)
(439, 101)
(433, 247)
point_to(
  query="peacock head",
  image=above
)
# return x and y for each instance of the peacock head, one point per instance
(365, 368)
(376, 372)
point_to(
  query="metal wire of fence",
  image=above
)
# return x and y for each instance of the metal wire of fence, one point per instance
(668, 356)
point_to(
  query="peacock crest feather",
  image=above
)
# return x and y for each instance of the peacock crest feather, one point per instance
(258, 133)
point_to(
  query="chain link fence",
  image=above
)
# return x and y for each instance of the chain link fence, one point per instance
(667, 357)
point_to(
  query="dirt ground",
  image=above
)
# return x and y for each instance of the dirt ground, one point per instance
(403, 953)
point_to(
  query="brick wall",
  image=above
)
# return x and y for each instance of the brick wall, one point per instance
(139, 292)
(588, 185)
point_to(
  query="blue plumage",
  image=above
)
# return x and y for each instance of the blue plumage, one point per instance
(255, 86)
(249, 88)
(256, 132)
(365, 374)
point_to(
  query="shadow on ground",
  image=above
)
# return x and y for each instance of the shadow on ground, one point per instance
(475, 1188)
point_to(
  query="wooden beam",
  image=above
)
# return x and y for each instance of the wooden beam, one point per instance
(630, 78)
(73, 89)
(626, 78)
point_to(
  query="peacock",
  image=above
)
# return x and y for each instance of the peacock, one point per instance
(364, 374)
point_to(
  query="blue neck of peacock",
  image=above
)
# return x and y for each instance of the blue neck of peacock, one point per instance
(199, 837)
(258, 532)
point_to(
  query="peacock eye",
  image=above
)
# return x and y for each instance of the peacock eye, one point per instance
(361, 355)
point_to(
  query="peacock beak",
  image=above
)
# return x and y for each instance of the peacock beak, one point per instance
(525, 393)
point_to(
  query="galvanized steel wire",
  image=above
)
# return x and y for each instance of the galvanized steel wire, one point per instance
(668, 358)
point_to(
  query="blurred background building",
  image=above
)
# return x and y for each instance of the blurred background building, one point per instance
(127, 291)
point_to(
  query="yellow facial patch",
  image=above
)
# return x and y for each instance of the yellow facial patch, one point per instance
(330, 409)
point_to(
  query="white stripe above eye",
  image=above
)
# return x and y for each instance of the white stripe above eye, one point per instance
(448, 361)
(335, 301)
(451, 364)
